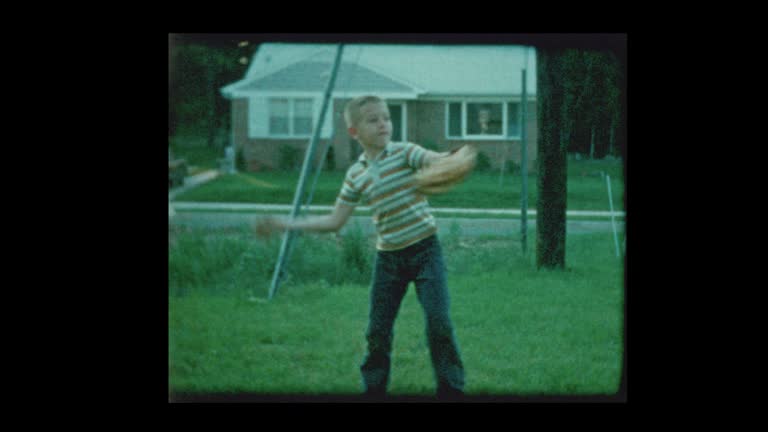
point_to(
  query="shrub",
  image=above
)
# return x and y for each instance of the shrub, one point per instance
(289, 158)
(330, 160)
(240, 164)
(430, 145)
(483, 162)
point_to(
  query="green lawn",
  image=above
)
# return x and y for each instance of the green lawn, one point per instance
(521, 331)
(198, 155)
(587, 189)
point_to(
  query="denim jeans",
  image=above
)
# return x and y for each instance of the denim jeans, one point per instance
(421, 263)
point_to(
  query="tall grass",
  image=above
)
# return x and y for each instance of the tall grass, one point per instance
(521, 331)
(234, 262)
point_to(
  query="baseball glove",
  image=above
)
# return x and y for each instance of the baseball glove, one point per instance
(446, 172)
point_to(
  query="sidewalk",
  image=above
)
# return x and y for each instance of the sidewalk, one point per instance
(284, 208)
(192, 181)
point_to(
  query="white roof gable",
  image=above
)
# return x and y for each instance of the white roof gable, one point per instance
(433, 70)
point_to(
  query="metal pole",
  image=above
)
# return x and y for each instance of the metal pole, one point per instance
(524, 162)
(613, 221)
(289, 235)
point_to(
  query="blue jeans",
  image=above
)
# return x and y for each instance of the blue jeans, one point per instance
(421, 263)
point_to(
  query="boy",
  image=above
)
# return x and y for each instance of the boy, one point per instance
(407, 245)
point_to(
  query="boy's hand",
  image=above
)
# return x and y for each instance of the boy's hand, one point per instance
(267, 226)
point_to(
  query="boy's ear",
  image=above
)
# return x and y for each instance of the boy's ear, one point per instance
(352, 131)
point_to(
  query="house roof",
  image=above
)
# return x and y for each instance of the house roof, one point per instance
(420, 70)
(313, 76)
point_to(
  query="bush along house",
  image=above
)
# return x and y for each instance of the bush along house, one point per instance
(440, 96)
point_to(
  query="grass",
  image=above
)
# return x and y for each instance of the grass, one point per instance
(195, 150)
(481, 190)
(520, 331)
(586, 185)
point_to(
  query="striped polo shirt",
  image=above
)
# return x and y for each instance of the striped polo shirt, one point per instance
(400, 214)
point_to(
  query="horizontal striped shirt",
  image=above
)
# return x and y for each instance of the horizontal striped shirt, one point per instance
(400, 214)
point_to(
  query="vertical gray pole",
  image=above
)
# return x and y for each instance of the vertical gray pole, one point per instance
(289, 235)
(613, 221)
(524, 163)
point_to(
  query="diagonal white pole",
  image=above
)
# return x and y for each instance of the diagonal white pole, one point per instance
(613, 220)
(288, 236)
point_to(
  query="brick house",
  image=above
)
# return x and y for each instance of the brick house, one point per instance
(441, 97)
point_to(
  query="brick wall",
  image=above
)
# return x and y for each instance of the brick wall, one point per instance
(425, 126)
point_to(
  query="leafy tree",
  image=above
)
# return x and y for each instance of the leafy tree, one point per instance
(572, 109)
(198, 68)
(590, 106)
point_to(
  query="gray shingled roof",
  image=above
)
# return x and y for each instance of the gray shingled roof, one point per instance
(417, 70)
(313, 76)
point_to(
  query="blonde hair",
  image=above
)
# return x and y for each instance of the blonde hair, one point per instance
(353, 107)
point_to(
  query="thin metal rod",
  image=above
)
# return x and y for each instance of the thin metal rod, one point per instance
(613, 219)
(524, 162)
(288, 236)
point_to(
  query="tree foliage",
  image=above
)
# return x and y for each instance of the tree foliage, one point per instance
(198, 69)
(592, 85)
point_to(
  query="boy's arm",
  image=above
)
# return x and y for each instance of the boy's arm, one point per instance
(326, 223)
(431, 156)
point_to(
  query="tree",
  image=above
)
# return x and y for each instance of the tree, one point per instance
(590, 106)
(552, 160)
(572, 76)
(198, 68)
(613, 95)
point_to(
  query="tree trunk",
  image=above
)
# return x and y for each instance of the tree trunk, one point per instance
(592, 143)
(552, 185)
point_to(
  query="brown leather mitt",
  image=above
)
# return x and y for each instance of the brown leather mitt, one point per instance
(446, 172)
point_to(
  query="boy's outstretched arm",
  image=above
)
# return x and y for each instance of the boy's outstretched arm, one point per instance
(327, 223)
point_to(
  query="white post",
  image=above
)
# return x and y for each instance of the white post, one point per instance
(613, 220)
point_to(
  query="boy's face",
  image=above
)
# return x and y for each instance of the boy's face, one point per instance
(374, 128)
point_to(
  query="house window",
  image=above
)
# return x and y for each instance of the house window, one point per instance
(454, 120)
(290, 117)
(492, 120)
(513, 119)
(484, 119)
(279, 117)
(302, 117)
(396, 115)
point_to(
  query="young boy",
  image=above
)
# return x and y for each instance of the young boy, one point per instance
(407, 245)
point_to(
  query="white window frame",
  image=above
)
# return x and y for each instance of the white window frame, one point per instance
(403, 119)
(464, 136)
(291, 117)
